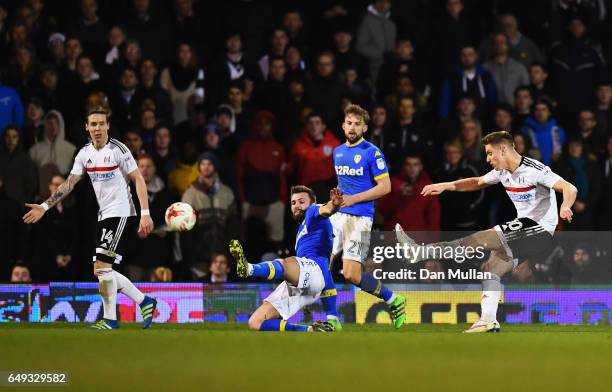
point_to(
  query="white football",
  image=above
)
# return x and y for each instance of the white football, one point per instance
(180, 217)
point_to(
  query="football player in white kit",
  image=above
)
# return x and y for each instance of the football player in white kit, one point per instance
(530, 185)
(109, 164)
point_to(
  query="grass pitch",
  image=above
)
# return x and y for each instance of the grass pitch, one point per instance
(227, 357)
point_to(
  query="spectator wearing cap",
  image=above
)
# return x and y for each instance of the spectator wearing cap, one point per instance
(54, 148)
(405, 205)
(260, 175)
(376, 34)
(182, 80)
(16, 168)
(56, 52)
(217, 216)
(544, 133)
(311, 158)
(156, 249)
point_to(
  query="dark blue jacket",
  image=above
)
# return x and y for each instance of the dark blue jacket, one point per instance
(11, 109)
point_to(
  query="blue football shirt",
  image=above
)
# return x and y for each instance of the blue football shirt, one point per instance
(314, 238)
(358, 167)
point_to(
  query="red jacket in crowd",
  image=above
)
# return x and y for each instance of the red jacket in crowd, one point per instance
(260, 164)
(406, 206)
(312, 162)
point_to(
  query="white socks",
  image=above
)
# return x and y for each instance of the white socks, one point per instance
(489, 301)
(108, 291)
(128, 288)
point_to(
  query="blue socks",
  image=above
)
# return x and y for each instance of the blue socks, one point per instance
(282, 325)
(269, 270)
(371, 285)
(328, 297)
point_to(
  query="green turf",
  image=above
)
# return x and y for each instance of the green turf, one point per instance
(227, 357)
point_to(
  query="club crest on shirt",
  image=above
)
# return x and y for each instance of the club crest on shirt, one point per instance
(357, 158)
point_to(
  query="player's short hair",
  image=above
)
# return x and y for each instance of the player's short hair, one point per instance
(304, 189)
(358, 111)
(498, 137)
(98, 110)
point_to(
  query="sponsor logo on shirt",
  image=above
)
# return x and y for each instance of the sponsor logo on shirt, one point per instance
(521, 197)
(348, 171)
(101, 176)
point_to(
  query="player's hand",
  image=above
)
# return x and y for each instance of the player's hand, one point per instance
(348, 200)
(566, 213)
(336, 197)
(36, 212)
(146, 225)
(433, 189)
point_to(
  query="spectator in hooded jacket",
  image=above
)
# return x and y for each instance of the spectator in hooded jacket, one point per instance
(544, 133)
(54, 148)
(16, 168)
(260, 174)
(405, 205)
(312, 160)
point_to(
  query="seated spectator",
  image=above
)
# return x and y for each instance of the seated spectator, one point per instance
(311, 158)
(278, 45)
(219, 269)
(127, 100)
(296, 66)
(156, 249)
(260, 175)
(147, 125)
(346, 56)
(273, 93)
(523, 105)
(594, 143)
(502, 120)
(581, 170)
(449, 128)
(470, 137)
(54, 148)
(605, 217)
(134, 142)
(291, 120)
(401, 62)
(17, 170)
(20, 273)
(585, 267)
(460, 210)
(376, 34)
(149, 84)
(379, 130)
(405, 205)
(328, 90)
(186, 170)
(538, 82)
(243, 112)
(55, 239)
(23, 70)
(217, 217)
(183, 79)
(116, 41)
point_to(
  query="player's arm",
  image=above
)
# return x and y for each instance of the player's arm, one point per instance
(569, 192)
(333, 205)
(146, 223)
(382, 187)
(463, 185)
(38, 210)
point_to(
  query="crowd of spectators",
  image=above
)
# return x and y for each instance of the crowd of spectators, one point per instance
(225, 104)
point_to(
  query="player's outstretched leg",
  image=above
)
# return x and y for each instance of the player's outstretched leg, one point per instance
(353, 273)
(328, 299)
(269, 270)
(107, 287)
(147, 304)
(267, 318)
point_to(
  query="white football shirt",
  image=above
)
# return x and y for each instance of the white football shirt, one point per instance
(108, 170)
(530, 189)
